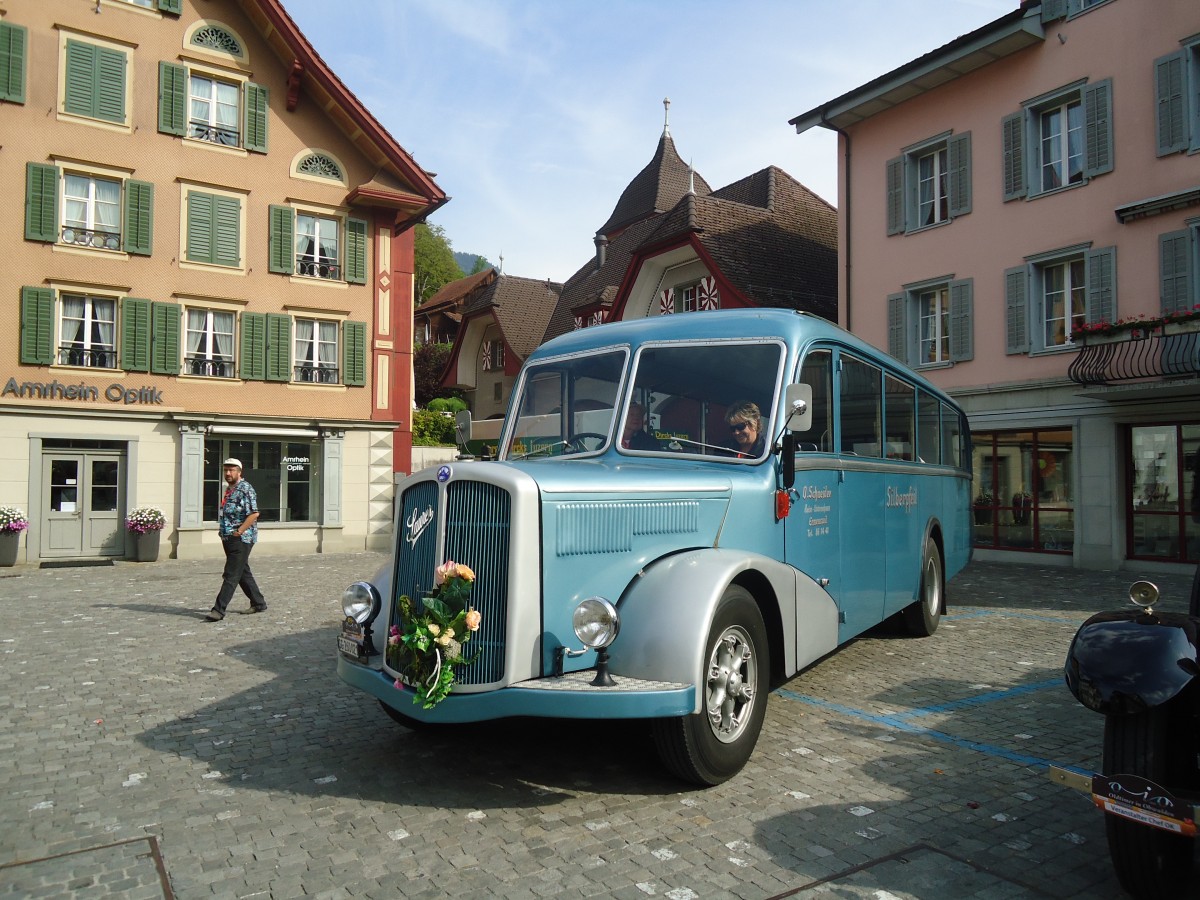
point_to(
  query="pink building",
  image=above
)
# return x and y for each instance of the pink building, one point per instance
(1008, 203)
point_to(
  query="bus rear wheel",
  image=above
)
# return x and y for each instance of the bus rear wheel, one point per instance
(712, 746)
(922, 616)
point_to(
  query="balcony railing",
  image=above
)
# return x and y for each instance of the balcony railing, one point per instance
(1163, 351)
(213, 368)
(88, 237)
(316, 374)
(215, 134)
(325, 268)
(98, 358)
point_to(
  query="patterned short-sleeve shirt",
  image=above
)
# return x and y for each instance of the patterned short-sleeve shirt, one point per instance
(237, 503)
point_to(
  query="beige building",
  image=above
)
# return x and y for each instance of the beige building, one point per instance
(1019, 219)
(210, 255)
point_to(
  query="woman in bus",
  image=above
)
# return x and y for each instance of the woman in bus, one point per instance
(745, 427)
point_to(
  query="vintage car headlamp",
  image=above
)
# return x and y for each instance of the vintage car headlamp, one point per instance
(361, 602)
(1143, 593)
(596, 622)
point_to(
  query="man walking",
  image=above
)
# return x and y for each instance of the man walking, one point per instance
(236, 524)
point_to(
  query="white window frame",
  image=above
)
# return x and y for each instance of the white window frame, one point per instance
(933, 328)
(1072, 302)
(86, 233)
(208, 129)
(1053, 153)
(314, 264)
(933, 189)
(206, 356)
(92, 351)
(306, 350)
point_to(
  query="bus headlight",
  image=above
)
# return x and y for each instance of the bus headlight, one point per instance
(361, 602)
(596, 622)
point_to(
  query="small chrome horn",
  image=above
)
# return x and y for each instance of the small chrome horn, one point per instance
(1143, 594)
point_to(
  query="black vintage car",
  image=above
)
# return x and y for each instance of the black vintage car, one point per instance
(1139, 668)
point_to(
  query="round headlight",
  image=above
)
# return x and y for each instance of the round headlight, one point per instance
(361, 602)
(1144, 593)
(596, 622)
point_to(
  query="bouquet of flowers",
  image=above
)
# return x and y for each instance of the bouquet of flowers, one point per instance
(429, 642)
(145, 518)
(12, 519)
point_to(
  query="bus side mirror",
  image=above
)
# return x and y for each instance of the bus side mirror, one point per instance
(798, 405)
(788, 460)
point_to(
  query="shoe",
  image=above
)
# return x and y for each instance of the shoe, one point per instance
(214, 615)
(254, 609)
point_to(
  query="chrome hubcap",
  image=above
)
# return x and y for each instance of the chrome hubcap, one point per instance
(732, 674)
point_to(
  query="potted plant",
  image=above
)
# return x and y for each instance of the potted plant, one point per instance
(146, 523)
(12, 523)
(983, 508)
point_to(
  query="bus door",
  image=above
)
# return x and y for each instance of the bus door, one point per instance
(863, 493)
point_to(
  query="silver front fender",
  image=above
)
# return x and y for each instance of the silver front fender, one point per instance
(666, 612)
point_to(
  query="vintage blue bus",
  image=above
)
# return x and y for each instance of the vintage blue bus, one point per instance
(685, 511)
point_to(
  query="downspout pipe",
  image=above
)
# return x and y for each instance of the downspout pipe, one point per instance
(848, 266)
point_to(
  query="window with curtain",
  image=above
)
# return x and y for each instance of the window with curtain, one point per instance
(316, 351)
(91, 211)
(934, 310)
(317, 246)
(213, 111)
(933, 204)
(1061, 145)
(210, 343)
(87, 331)
(1064, 300)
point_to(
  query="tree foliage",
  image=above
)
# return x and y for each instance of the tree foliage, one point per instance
(434, 264)
(480, 265)
(429, 361)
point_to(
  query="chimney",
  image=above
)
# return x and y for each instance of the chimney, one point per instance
(601, 250)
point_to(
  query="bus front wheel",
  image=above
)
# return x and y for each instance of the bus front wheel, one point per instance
(921, 617)
(711, 746)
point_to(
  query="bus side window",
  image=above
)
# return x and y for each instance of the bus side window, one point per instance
(860, 406)
(817, 372)
(929, 429)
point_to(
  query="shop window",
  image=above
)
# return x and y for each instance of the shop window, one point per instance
(1022, 496)
(284, 474)
(1164, 481)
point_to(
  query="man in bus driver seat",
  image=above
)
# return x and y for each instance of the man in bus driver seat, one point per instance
(745, 427)
(632, 436)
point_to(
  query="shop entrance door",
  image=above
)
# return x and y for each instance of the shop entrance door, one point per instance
(83, 495)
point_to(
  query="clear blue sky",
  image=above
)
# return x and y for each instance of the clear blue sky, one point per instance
(535, 114)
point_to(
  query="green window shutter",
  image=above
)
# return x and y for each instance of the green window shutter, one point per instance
(1171, 119)
(13, 40)
(41, 202)
(897, 314)
(199, 245)
(139, 217)
(281, 245)
(37, 326)
(1102, 285)
(959, 152)
(135, 335)
(165, 321)
(1098, 128)
(356, 251)
(279, 347)
(895, 195)
(171, 6)
(79, 97)
(354, 354)
(227, 241)
(253, 356)
(257, 102)
(1175, 271)
(110, 85)
(962, 320)
(1012, 129)
(1016, 289)
(172, 98)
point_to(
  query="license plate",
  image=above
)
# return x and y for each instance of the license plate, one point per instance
(351, 642)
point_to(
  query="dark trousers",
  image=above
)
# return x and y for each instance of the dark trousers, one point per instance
(237, 574)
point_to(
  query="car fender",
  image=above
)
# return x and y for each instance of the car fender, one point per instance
(1132, 660)
(667, 609)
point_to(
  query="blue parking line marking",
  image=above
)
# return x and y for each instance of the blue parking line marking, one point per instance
(902, 722)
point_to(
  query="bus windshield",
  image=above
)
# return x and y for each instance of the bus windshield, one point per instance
(566, 406)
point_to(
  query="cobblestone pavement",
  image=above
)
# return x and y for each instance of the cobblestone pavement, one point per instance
(146, 753)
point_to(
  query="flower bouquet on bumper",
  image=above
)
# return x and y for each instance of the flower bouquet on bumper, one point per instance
(429, 641)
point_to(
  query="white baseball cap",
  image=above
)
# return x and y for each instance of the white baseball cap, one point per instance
(232, 461)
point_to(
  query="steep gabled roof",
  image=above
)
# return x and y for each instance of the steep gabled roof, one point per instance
(455, 292)
(520, 306)
(655, 189)
(399, 182)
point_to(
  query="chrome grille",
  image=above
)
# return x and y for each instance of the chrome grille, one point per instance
(478, 519)
(416, 560)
